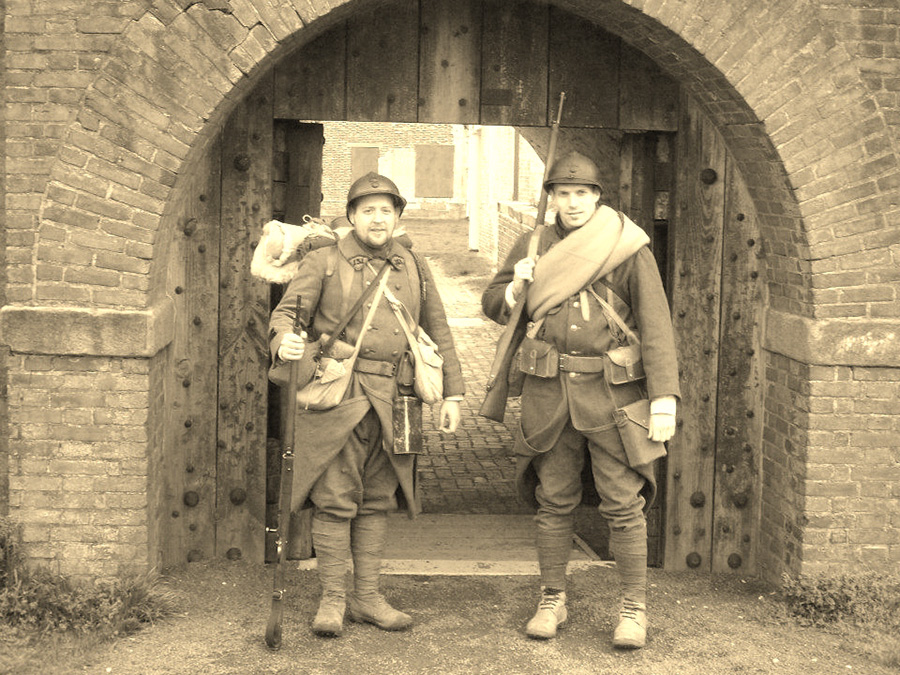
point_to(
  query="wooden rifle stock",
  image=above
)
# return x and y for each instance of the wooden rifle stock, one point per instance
(282, 530)
(494, 404)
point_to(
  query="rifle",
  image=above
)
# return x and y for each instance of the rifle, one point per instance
(494, 405)
(282, 529)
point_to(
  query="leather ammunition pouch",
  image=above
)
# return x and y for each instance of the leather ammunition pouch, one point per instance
(624, 364)
(538, 358)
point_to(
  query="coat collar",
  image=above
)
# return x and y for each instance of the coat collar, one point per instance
(358, 254)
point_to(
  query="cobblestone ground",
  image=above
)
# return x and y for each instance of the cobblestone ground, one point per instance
(473, 470)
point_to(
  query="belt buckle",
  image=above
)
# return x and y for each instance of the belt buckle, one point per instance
(564, 362)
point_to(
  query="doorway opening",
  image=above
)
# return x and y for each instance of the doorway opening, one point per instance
(471, 189)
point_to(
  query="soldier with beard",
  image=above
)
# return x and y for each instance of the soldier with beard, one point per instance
(345, 464)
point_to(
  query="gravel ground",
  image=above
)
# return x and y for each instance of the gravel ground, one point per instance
(699, 625)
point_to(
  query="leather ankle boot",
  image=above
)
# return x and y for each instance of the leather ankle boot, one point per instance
(375, 609)
(551, 614)
(329, 621)
(631, 631)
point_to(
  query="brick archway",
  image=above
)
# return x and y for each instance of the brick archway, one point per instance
(91, 220)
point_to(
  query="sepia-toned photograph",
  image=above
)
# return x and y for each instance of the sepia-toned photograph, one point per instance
(392, 337)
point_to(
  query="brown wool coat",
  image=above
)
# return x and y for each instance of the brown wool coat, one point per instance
(548, 404)
(320, 435)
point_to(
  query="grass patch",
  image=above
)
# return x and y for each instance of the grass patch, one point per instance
(36, 605)
(863, 607)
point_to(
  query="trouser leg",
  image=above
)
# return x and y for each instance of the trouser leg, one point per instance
(558, 493)
(629, 548)
(622, 505)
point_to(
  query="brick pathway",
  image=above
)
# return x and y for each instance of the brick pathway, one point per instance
(473, 470)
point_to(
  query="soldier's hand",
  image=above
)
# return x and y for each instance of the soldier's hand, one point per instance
(522, 271)
(450, 415)
(292, 347)
(662, 427)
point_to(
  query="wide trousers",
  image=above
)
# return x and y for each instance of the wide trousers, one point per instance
(559, 470)
(361, 479)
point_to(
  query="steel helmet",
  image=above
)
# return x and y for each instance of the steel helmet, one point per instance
(375, 184)
(576, 169)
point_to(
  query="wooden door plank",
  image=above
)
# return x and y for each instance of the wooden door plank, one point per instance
(514, 64)
(592, 88)
(309, 84)
(189, 519)
(243, 320)
(383, 63)
(629, 179)
(449, 66)
(736, 503)
(648, 98)
(696, 281)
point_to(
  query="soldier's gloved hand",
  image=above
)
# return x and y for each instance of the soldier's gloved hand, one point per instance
(522, 271)
(292, 346)
(662, 427)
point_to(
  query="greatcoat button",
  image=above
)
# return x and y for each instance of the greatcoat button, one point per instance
(572, 374)
(576, 304)
(394, 353)
(573, 327)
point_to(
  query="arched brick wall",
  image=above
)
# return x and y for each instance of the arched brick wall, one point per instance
(111, 104)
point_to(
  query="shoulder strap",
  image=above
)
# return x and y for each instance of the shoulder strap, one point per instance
(611, 313)
(356, 306)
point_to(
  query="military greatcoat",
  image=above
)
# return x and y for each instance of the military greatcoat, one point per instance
(329, 280)
(547, 404)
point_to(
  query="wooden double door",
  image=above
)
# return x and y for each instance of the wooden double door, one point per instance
(671, 173)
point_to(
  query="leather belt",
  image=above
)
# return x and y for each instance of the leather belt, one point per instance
(581, 364)
(386, 368)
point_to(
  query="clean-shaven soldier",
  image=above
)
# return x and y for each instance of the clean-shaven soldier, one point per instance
(591, 253)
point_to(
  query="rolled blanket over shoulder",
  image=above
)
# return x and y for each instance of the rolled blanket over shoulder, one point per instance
(593, 250)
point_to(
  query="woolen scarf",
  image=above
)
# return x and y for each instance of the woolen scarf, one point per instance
(583, 256)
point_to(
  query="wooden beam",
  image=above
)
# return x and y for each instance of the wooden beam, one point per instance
(309, 84)
(584, 63)
(449, 65)
(736, 503)
(514, 64)
(303, 187)
(188, 527)
(382, 63)
(648, 98)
